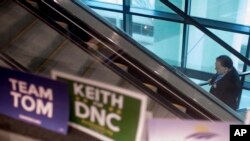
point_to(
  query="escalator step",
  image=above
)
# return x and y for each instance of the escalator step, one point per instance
(62, 24)
(152, 87)
(99, 72)
(35, 45)
(121, 66)
(180, 107)
(69, 59)
(33, 3)
(13, 20)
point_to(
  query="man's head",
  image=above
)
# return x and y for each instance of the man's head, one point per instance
(223, 64)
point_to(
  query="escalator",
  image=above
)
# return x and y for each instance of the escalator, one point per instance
(87, 43)
(25, 50)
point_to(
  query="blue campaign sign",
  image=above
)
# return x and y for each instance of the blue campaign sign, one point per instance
(34, 99)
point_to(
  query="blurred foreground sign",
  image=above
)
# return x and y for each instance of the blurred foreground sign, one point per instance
(104, 111)
(34, 99)
(187, 130)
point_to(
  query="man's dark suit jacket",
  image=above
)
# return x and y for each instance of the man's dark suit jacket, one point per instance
(228, 88)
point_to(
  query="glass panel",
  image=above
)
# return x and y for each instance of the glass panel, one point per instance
(108, 1)
(245, 95)
(245, 98)
(160, 37)
(202, 50)
(235, 11)
(157, 5)
(114, 18)
(247, 77)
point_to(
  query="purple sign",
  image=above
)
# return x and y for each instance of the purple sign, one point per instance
(187, 130)
(33, 99)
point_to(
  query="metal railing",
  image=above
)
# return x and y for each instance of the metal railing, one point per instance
(243, 74)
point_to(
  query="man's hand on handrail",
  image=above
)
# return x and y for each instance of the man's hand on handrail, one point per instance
(204, 83)
(244, 73)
